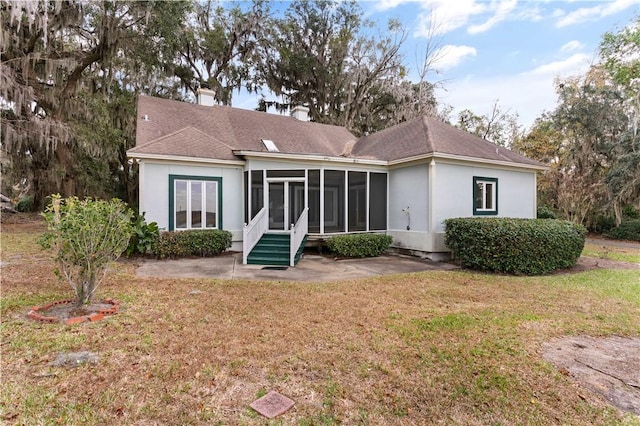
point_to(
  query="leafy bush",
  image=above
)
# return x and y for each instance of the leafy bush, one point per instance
(359, 245)
(25, 204)
(545, 212)
(629, 212)
(205, 242)
(603, 224)
(516, 246)
(627, 230)
(85, 237)
(144, 237)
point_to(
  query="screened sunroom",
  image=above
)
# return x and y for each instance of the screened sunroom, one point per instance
(337, 201)
(286, 206)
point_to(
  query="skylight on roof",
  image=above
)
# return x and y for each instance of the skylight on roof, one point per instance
(270, 145)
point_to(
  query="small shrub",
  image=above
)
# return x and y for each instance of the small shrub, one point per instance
(603, 224)
(545, 212)
(196, 242)
(144, 238)
(627, 230)
(85, 236)
(359, 245)
(516, 246)
(630, 212)
(25, 204)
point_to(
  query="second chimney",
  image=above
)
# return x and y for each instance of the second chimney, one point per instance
(206, 97)
(300, 113)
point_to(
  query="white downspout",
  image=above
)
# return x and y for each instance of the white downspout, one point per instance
(430, 208)
(321, 200)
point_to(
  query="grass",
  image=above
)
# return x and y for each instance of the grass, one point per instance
(608, 252)
(428, 348)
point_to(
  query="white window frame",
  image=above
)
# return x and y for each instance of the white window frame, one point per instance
(203, 201)
(487, 184)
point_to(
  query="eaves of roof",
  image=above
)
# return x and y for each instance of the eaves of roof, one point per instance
(310, 157)
(304, 158)
(465, 159)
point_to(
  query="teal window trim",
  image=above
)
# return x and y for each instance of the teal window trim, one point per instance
(485, 212)
(173, 178)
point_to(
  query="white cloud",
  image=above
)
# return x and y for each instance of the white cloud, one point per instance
(528, 93)
(442, 16)
(571, 46)
(570, 65)
(383, 5)
(446, 15)
(530, 14)
(601, 10)
(503, 11)
(450, 56)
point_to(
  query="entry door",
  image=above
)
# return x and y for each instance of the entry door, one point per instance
(286, 203)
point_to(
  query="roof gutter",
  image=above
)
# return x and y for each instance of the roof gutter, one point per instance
(310, 157)
(162, 157)
(453, 157)
(326, 158)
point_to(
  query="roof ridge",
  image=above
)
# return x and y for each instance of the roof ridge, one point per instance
(208, 136)
(154, 141)
(500, 149)
(427, 132)
(181, 130)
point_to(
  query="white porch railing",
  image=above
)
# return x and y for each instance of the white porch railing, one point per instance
(298, 232)
(252, 232)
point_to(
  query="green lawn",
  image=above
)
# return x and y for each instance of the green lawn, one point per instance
(603, 251)
(427, 348)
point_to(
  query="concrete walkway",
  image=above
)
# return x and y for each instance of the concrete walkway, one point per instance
(613, 243)
(312, 268)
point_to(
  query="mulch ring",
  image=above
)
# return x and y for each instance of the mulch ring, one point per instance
(66, 311)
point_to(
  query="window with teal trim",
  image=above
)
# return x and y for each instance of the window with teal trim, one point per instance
(194, 202)
(485, 196)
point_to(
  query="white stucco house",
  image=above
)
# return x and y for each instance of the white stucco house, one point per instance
(263, 176)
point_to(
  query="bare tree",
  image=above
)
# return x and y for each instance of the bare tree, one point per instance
(426, 65)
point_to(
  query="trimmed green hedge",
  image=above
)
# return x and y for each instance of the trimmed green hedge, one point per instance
(545, 212)
(359, 245)
(627, 230)
(196, 242)
(515, 246)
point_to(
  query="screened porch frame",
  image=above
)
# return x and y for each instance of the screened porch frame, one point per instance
(257, 191)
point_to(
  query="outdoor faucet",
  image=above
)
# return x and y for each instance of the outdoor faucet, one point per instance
(406, 210)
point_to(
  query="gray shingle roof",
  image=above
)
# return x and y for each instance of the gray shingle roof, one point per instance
(187, 142)
(426, 135)
(182, 129)
(228, 129)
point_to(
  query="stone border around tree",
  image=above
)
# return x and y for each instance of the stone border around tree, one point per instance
(36, 315)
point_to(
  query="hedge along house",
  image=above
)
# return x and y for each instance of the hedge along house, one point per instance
(278, 182)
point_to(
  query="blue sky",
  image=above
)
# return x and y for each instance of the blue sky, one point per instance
(510, 50)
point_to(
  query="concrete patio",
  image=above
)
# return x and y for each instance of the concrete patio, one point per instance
(312, 268)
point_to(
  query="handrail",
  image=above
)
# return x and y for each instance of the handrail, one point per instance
(298, 232)
(252, 232)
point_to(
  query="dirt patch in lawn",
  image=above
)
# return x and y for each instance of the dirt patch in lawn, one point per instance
(34, 219)
(607, 366)
(590, 263)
